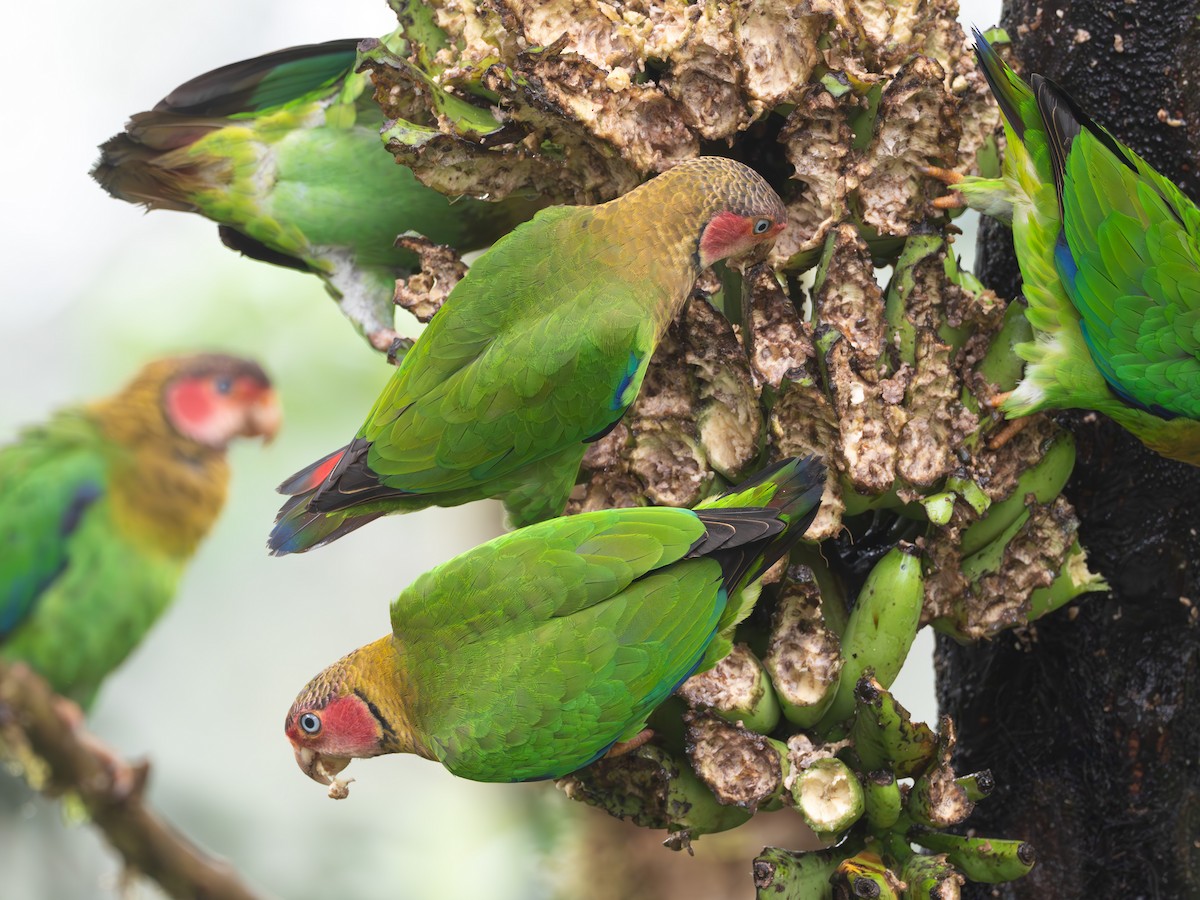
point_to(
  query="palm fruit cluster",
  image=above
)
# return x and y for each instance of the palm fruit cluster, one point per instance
(799, 715)
(932, 514)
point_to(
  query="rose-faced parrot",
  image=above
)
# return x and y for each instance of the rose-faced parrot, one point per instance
(1109, 252)
(531, 655)
(103, 505)
(283, 152)
(539, 350)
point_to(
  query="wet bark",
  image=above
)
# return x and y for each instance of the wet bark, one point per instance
(1091, 720)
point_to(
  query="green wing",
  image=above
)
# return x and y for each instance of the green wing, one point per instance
(1133, 272)
(499, 380)
(48, 481)
(560, 639)
(283, 152)
(267, 81)
(75, 595)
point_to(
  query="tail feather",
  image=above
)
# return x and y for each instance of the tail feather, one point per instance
(1012, 93)
(784, 499)
(352, 482)
(297, 528)
(751, 528)
(312, 476)
(312, 516)
(141, 164)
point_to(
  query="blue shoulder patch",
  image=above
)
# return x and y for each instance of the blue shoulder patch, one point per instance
(631, 368)
(22, 593)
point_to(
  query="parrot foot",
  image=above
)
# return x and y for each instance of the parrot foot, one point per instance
(1007, 433)
(953, 200)
(622, 747)
(1011, 429)
(946, 176)
(70, 712)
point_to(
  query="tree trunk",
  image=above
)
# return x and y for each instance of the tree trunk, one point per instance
(1090, 720)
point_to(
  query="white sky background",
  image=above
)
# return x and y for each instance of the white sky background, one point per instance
(90, 286)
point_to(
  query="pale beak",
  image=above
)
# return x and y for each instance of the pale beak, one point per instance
(264, 417)
(321, 769)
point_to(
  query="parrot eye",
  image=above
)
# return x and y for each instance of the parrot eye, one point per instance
(310, 723)
(761, 226)
(223, 385)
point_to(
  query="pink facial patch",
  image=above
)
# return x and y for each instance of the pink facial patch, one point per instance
(726, 230)
(348, 726)
(189, 403)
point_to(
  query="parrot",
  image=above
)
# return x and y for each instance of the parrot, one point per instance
(1109, 252)
(538, 351)
(283, 152)
(102, 506)
(538, 652)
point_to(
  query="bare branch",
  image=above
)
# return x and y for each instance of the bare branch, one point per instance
(36, 722)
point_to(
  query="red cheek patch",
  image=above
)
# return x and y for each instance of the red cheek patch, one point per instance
(348, 726)
(724, 231)
(189, 402)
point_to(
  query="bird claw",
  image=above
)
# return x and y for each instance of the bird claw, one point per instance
(946, 176)
(952, 200)
(622, 747)
(127, 780)
(1007, 433)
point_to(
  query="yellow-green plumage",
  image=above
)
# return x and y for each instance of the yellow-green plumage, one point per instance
(283, 152)
(1109, 252)
(529, 656)
(539, 349)
(102, 506)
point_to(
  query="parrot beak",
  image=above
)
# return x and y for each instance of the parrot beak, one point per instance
(321, 769)
(264, 417)
(759, 252)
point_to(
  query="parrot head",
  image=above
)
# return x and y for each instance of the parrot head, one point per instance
(334, 719)
(736, 234)
(744, 213)
(213, 398)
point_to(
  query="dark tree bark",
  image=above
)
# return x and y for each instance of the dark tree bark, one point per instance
(1091, 721)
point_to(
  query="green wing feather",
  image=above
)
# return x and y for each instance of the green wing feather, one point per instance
(1136, 277)
(561, 640)
(499, 379)
(264, 82)
(75, 595)
(562, 637)
(283, 152)
(1110, 263)
(45, 490)
(541, 347)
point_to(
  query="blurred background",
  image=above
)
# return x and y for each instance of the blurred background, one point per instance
(91, 289)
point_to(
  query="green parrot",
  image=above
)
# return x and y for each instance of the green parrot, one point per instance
(102, 506)
(532, 655)
(1109, 252)
(538, 351)
(283, 153)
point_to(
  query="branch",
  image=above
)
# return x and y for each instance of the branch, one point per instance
(36, 722)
